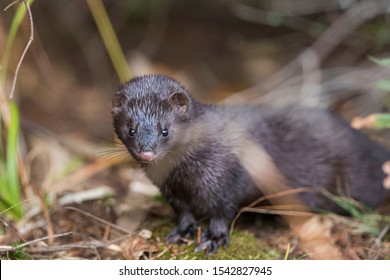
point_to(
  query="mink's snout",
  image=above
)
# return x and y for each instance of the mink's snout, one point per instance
(147, 155)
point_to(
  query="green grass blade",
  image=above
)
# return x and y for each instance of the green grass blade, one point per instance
(10, 189)
(354, 208)
(2, 155)
(382, 121)
(110, 39)
(12, 145)
(385, 62)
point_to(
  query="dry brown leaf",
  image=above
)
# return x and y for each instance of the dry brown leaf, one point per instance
(136, 246)
(316, 239)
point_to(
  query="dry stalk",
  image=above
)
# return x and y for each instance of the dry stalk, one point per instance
(84, 173)
(250, 207)
(99, 219)
(30, 40)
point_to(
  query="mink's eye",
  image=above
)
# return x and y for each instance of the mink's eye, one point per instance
(165, 132)
(131, 132)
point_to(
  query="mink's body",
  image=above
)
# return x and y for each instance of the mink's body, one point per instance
(191, 152)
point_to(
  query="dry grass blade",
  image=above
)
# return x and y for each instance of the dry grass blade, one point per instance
(280, 212)
(13, 230)
(79, 245)
(99, 219)
(375, 249)
(287, 251)
(43, 238)
(28, 243)
(29, 42)
(279, 194)
(250, 208)
(84, 173)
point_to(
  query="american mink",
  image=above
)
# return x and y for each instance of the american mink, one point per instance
(192, 151)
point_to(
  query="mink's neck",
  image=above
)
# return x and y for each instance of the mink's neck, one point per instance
(193, 135)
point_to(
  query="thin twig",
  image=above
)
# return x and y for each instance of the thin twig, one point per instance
(30, 39)
(278, 212)
(97, 254)
(81, 245)
(93, 244)
(10, 5)
(383, 232)
(107, 231)
(99, 219)
(46, 215)
(167, 248)
(12, 248)
(116, 240)
(12, 229)
(43, 238)
(375, 248)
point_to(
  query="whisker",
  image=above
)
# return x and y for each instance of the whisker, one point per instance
(118, 158)
(113, 151)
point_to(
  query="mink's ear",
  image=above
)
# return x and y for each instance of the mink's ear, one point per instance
(180, 101)
(118, 101)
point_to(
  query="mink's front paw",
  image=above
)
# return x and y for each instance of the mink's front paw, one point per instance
(211, 244)
(174, 236)
(181, 236)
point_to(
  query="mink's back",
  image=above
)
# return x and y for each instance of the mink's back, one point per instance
(316, 149)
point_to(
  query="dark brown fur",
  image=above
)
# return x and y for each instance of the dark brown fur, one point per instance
(198, 166)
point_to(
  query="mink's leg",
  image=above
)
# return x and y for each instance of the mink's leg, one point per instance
(216, 236)
(186, 228)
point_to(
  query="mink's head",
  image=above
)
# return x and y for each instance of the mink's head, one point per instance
(149, 114)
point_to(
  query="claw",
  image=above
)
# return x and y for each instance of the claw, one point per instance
(174, 237)
(180, 237)
(209, 240)
(210, 245)
(203, 246)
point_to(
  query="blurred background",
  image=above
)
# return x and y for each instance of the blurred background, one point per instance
(215, 47)
(329, 54)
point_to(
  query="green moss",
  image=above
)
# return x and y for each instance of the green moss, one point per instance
(243, 246)
(17, 254)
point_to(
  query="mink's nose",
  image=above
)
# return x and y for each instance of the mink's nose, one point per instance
(147, 155)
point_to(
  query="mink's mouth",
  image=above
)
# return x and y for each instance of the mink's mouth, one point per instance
(143, 157)
(146, 157)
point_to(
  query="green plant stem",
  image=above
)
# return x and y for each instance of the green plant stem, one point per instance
(109, 38)
(12, 148)
(10, 185)
(382, 121)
